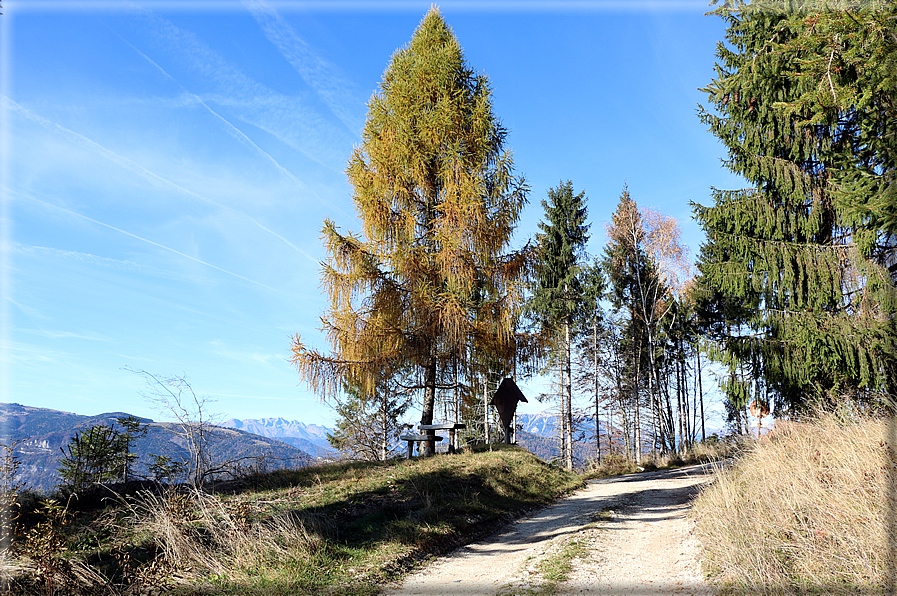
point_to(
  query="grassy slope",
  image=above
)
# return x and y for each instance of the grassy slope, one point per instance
(806, 512)
(341, 528)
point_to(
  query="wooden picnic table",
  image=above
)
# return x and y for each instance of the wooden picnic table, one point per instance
(412, 439)
(451, 427)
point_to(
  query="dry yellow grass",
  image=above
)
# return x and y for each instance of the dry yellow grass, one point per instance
(806, 511)
(202, 531)
(615, 464)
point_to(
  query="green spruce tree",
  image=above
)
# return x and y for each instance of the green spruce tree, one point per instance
(93, 456)
(134, 428)
(557, 298)
(800, 266)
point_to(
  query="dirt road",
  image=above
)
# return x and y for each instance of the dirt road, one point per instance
(633, 529)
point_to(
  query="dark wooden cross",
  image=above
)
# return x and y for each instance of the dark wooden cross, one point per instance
(505, 401)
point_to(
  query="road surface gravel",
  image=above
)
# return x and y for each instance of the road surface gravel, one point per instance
(638, 541)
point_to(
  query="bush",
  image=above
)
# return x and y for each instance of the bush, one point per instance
(10, 488)
(200, 531)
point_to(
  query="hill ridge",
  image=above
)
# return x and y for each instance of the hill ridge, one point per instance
(41, 434)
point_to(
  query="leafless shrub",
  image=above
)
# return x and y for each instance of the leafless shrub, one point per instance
(176, 396)
(196, 430)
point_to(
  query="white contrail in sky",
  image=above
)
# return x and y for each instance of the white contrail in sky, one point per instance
(94, 260)
(286, 118)
(235, 132)
(137, 168)
(231, 129)
(156, 244)
(314, 70)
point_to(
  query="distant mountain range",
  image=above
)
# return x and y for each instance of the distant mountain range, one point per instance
(310, 438)
(43, 433)
(549, 448)
(284, 443)
(543, 424)
(540, 436)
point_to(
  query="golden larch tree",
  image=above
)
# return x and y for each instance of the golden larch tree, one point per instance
(430, 280)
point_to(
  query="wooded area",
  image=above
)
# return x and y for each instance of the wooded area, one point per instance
(792, 295)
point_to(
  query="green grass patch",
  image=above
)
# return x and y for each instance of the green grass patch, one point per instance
(553, 570)
(556, 568)
(342, 528)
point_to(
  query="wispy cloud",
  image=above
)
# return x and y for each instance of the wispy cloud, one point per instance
(24, 354)
(245, 140)
(122, 265)
(53, 334)
(28, 357)
(245, 356)
(136, 358)
(286, 118)
(83, 141)
(230, 129)
(32, 314)
(156, 244)
(317, 72)
(254, 397)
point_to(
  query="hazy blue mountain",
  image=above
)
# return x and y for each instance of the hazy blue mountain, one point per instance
(43, 433)
(311, 438)
(540, 435)
(549, 448)
(543, 424)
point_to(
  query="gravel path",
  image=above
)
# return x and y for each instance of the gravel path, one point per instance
(637, 538)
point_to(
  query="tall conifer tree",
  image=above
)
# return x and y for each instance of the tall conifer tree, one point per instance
(557, 299)
(803, 261)
(429, 277)
(629, 274)
(645, 262)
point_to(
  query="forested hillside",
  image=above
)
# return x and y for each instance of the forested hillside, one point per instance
(42, 434)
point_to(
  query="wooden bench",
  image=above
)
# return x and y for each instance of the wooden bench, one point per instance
(451, 427)
(412, 439)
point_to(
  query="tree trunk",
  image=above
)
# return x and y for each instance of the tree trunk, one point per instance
(595, 373)
(568, 390)
(638, 420)
(679, 407)
(562, 415)
(689, 406)
(701, 393)
(486, 407)
(656, 425)
(456, 437)
(429, 401)
(384, 430)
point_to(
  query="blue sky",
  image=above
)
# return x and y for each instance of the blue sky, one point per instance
(166, 168)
